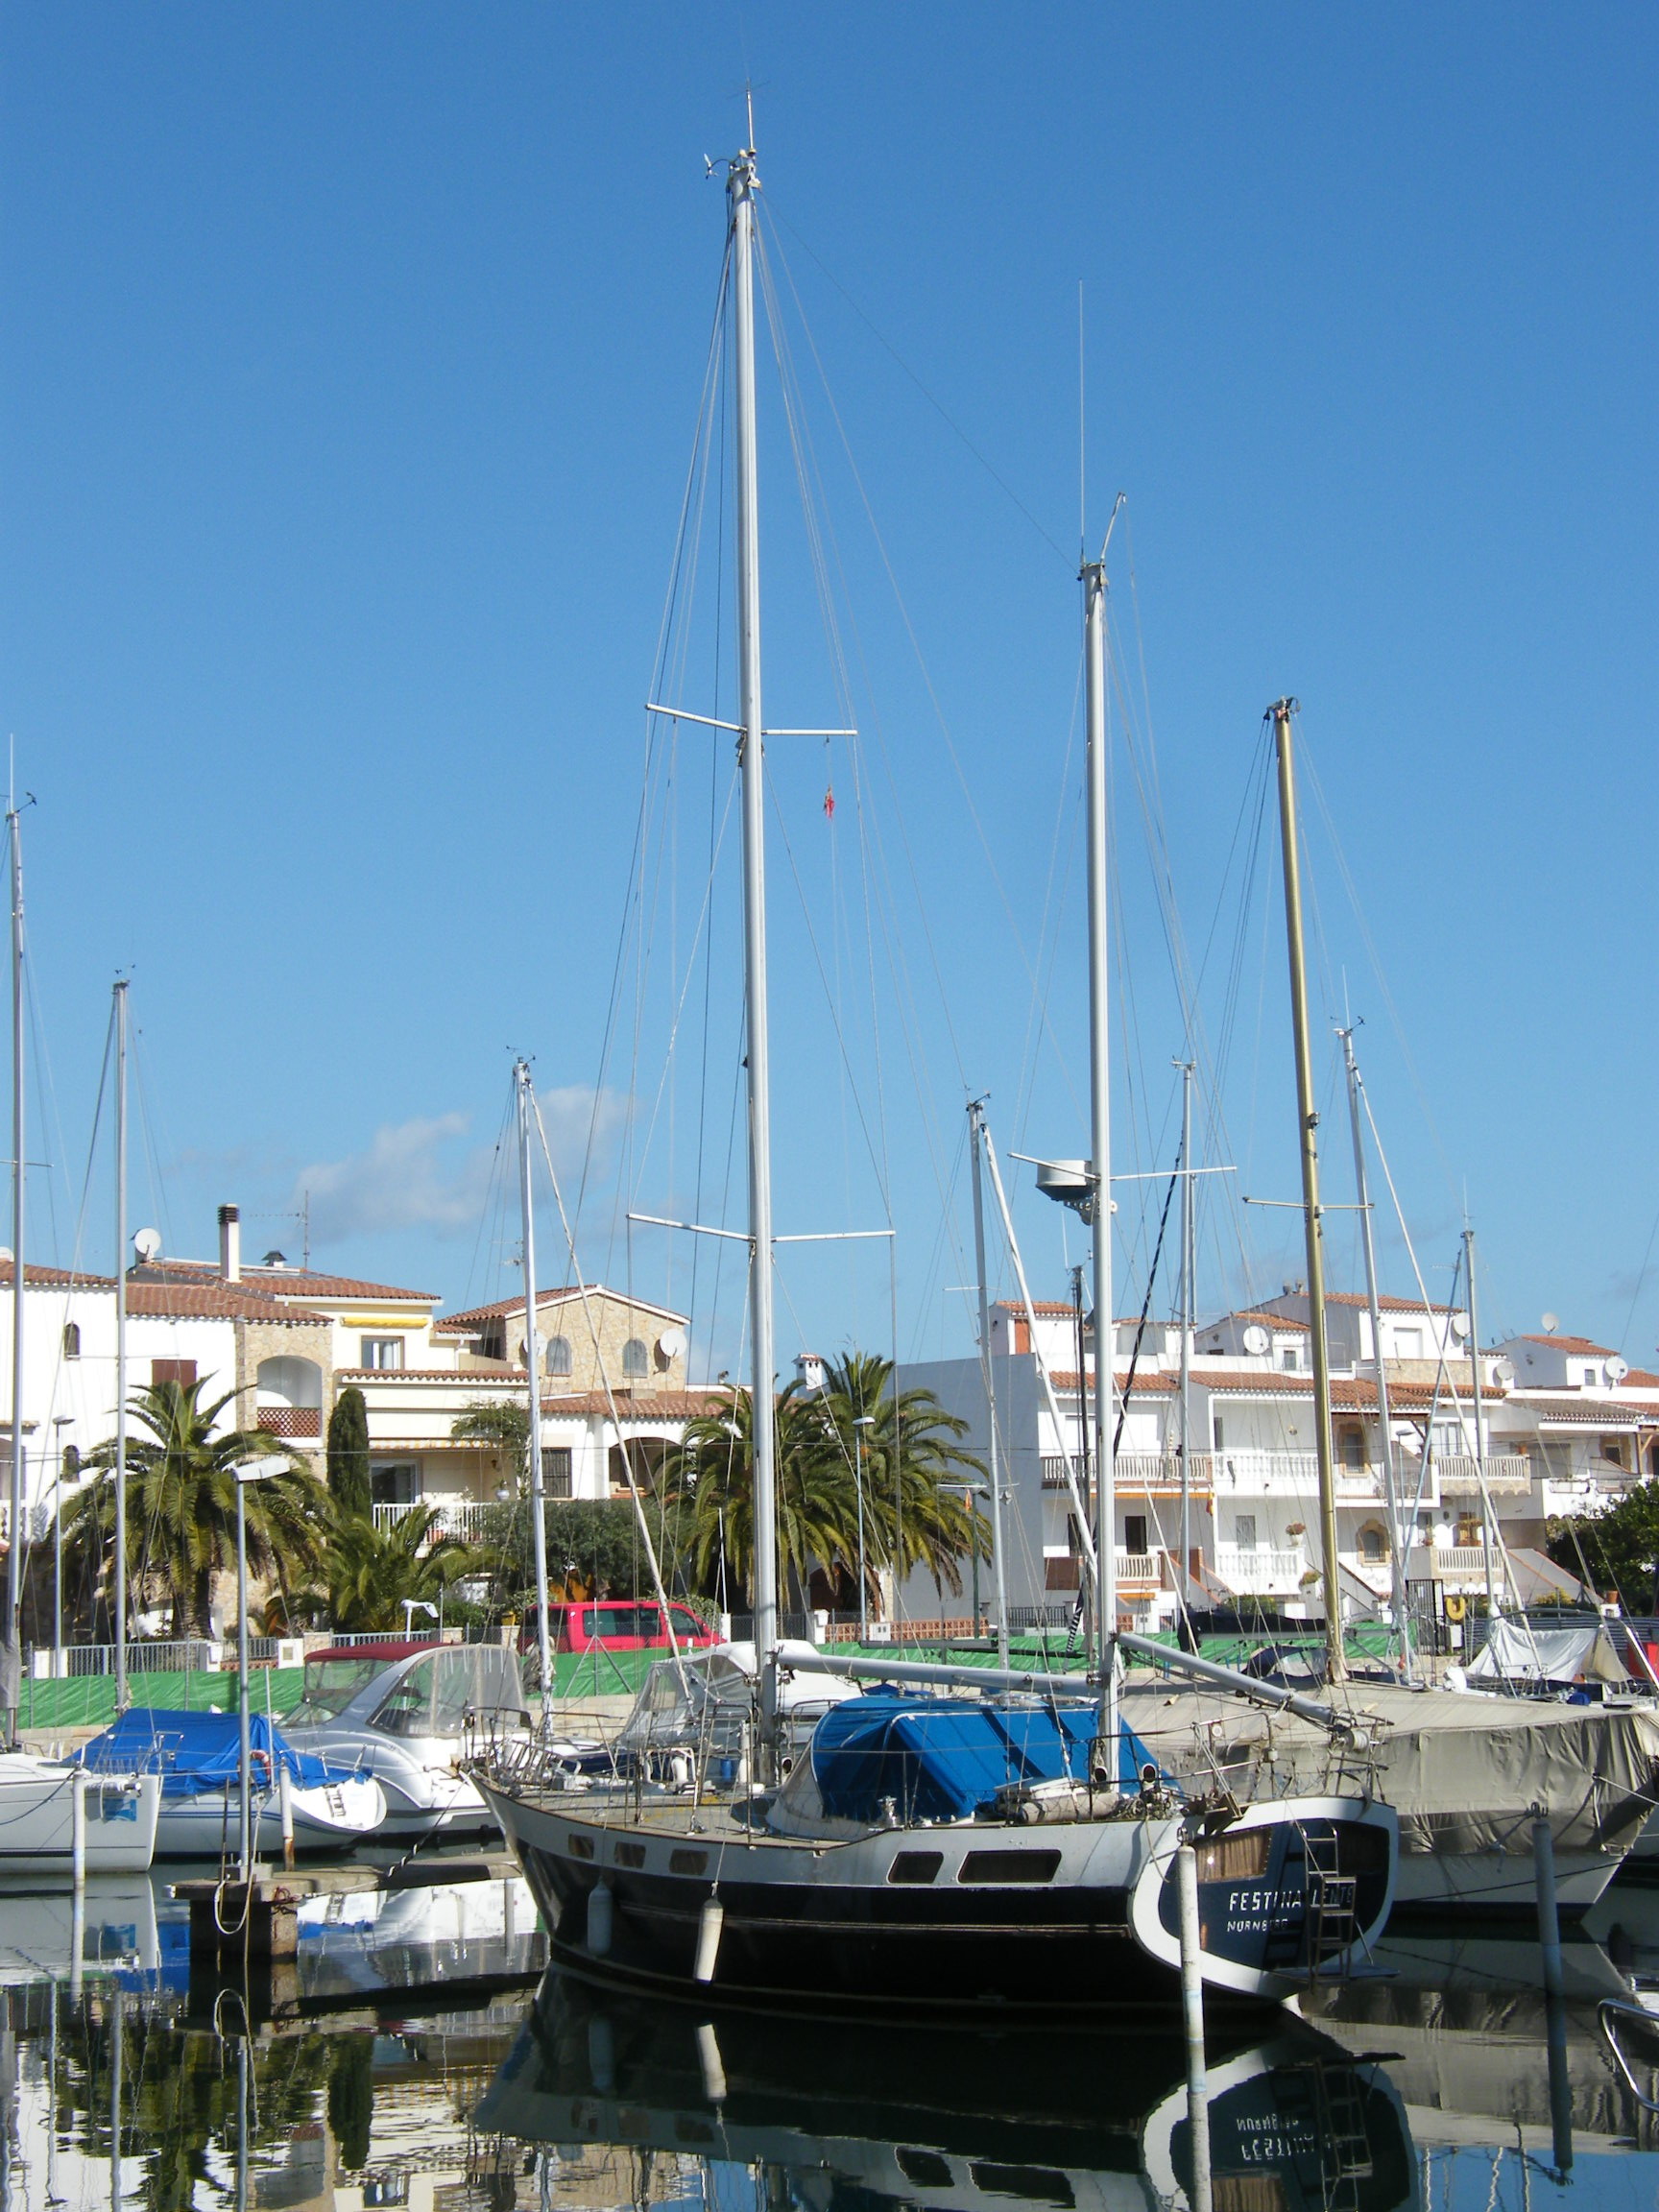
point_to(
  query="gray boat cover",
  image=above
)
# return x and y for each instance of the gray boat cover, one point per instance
(1515, 1652)
(1462, 1773)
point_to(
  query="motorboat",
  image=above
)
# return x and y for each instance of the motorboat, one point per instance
(331, 1806)
(411, 1715)
(38, 1818)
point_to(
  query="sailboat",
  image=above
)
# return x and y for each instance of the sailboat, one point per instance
(1007, 1846)
(1468, 1777)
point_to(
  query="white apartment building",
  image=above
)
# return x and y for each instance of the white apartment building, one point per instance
(1564, 1432)
(280, 1342)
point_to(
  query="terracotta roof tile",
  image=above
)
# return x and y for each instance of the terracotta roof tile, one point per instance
(216, 1301)
(280, 1282)
(496, 1371)
(53, 1278)
(1577, 1344)
(654, 1406)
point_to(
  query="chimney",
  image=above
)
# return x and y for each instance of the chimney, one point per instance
(231, 1243)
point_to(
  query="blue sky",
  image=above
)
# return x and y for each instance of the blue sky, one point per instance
(352, 368)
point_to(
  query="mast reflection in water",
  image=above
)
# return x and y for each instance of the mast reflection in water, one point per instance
(843, 2117)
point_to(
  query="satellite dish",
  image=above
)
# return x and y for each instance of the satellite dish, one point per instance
(147, 1245)
(1504, 1372)
(1257, 1339)
(670, 1345)
(1459, 1326)
(1616, 1370)
(1551, 1322)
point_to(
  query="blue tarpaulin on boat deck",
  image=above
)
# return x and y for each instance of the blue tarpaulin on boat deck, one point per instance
(195, 1752)
(943, 1758)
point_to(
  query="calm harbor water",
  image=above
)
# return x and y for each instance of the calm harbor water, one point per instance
(414, 2061)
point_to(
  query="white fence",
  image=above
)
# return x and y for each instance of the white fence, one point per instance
(462, 1518)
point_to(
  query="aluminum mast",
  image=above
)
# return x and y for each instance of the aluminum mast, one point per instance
(15, 1551)
(119, 1577)
(976, 1138)
(1189, 1329)
(1390, 1483)
(741, 185)
(1100, 1162)
(1307, 1123)
(533, 1391)
(1493, 1606)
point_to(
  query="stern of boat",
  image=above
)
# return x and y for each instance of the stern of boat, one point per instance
(1289, 1893)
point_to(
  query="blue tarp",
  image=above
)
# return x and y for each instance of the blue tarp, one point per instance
(943, 1758)
(195, 1752)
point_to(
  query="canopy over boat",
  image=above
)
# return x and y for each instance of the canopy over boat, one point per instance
(197, 1752)
(945, 1757)
(1514, 1652)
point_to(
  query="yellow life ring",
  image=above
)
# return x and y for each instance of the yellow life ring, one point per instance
(1455, 1606)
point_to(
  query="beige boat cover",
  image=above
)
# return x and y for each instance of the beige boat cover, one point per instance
(1464, 1773)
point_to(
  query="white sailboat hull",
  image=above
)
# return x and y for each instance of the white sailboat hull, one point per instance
(333, 1817)
(38, 1816)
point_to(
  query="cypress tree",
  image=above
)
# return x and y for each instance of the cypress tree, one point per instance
(349, 1454)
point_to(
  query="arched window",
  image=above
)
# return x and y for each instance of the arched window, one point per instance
(1373, 1543)
(636, 1358)
(558, 1360)
(71, 1340)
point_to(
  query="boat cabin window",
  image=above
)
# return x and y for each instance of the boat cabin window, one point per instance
(407, 1707)
(331, 1684)
(1009, 1866)
(925, 2168)
(915, 1866)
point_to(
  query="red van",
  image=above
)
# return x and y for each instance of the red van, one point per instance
(617, 1624)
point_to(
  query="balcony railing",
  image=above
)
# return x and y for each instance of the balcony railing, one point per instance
(1259, 1571)
(1448, 1563)
(462, 1518)
(1141, 1474)
(289, 1420)
(1508, 1472)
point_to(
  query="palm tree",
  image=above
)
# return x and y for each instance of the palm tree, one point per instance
(182, 1503)
(913, 1470)
(711, 1476)
(368, 1573)
(911, 1454)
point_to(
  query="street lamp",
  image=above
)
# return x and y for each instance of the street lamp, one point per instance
(861, 1422)
(250, 1471)
(412, 1607)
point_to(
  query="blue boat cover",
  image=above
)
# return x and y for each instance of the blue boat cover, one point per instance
(945, 1758)
(196, 1752)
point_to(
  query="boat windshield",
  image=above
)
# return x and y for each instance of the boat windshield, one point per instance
(331, 1684)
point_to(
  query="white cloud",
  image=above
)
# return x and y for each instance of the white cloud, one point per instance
(417, 1174)
(408, 1178)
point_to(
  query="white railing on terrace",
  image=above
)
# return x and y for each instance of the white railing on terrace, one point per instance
(1258, 1570)
(459, 1517)
(1137, 1567)
(1449, 1562)
(1143, 1473)
(1505, 1471)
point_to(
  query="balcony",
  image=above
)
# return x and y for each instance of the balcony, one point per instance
(1138, 1474)
(1507, 1472)
(1259, 1571)
(1461, 1565)
(462, 1518)
(1137, 1571)
(294, 1421)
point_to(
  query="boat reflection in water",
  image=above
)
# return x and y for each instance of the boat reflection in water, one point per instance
(849, 2115)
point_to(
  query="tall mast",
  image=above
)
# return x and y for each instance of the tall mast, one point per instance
(741, 185)
(1189, 1330)
(533, 1391)
(1493, 1606)
(1308, 1119)
(976, 1138)
(1390, 1483)
(120, 1575)
(1100, 1161)
(14, 1554)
